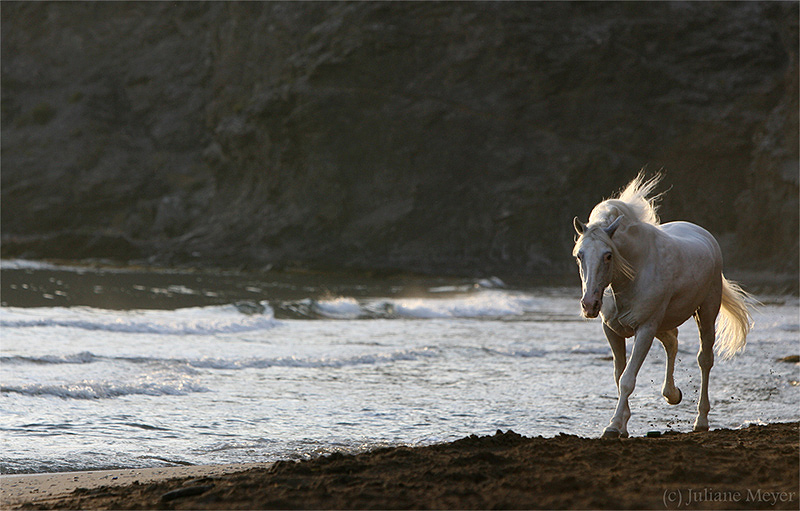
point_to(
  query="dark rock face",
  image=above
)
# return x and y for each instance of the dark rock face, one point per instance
(434, 137)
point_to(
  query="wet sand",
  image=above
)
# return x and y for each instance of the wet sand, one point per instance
(751, 468)
(41, 488)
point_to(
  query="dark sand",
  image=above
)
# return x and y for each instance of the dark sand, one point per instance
(751, 468)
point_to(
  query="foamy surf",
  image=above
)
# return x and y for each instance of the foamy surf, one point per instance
(189, 321)
(475, 304)
(102, 389)
(256, 370)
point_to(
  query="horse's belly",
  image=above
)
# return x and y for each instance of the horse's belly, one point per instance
(671, 321)
(683, 305)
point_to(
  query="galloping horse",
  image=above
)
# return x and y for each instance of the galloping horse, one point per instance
(645, 279)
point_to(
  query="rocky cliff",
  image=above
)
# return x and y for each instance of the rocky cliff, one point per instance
(435, 137)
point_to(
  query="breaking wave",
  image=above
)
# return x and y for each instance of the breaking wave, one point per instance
(231, 363)
(320, 362)
(190, 321)
(103, 390)
(83, 357)
(483, 304)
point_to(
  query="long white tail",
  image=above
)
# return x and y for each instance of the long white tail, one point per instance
(734, 321)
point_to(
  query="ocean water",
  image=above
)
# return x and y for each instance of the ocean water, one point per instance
(103, 368)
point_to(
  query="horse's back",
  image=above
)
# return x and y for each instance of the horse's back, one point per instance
(694, 240)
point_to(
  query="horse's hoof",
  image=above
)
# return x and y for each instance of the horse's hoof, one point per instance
(675, 401)
(613, 433)
(699, 428)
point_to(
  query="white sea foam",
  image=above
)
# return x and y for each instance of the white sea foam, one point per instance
(83, 357)
(24, 264)
(517, 352)
(338, 308)
(491, 283)
(232, 363)
(90, 389)
(313, 362)
(189, 321)
(478, 305)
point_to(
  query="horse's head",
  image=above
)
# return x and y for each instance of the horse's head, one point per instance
(595, 253)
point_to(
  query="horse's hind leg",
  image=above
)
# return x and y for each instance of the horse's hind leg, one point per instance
(705, 317)
(670, 392)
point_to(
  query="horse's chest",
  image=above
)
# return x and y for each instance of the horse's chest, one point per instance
(618, 316)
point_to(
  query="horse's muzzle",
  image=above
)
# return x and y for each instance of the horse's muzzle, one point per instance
(590, 306)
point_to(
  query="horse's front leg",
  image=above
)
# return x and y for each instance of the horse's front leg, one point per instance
(617, 343)
(618, 427)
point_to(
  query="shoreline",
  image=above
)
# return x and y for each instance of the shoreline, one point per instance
(753, 467)
(17, 489)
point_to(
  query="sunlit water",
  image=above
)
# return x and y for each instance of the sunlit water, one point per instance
(89, 388)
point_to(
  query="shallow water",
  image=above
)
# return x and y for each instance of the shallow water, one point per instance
(271, 367)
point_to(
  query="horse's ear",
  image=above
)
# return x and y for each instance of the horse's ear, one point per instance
(611, 229)
(579, 226)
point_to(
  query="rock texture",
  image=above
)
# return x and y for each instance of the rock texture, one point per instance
(434, 137)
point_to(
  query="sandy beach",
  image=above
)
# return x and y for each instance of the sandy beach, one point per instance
(751, 468)
(42, 488)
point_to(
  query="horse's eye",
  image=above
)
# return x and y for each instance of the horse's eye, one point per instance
(607, 257)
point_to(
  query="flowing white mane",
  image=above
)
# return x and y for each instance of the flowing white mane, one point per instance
(634, 206)
(632, 203)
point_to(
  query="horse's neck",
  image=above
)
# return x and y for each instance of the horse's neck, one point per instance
(635, 244)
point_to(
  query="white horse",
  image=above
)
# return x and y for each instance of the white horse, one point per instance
(657, 275)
